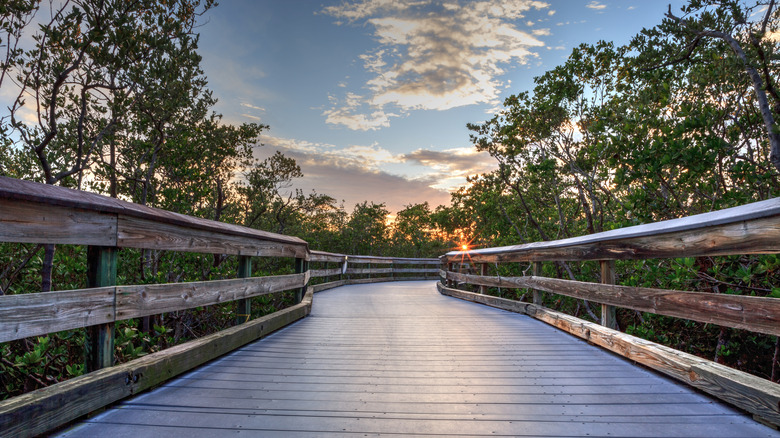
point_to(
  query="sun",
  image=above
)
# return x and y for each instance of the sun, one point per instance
(464, 247)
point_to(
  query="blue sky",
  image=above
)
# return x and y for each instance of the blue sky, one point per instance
(372, 97)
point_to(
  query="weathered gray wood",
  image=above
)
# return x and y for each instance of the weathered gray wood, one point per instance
(148, 234)
(140, 300)
(370, 259)
(538, 296)
(40, 411)
(608, 313)
(301, 267)
(99, 341)
(244, 305)
(483, 271)
(330, 285)
(415, 271)
(387, 360)
(326, 257)
(748, 236)
(38, 314)
(753, 394)
(28, 222)
(757, 314)
(325, 272)
(364, 271)
(35, 193)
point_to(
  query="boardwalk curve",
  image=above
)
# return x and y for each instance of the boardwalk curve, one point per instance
(398, 359)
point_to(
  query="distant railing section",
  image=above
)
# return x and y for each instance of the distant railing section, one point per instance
(43, 214)
(750, 229)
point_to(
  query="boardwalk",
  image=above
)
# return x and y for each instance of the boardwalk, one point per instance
(399, 359)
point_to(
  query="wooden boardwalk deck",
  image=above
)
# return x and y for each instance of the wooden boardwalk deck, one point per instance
(399, 359)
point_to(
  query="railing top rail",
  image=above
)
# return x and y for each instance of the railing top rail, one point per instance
(21, 190)
(606, 245)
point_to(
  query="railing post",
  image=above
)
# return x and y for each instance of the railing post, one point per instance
(101, 271)
(450, 283)
(244, 306)
(608, 315)
(301, 266)
(538, 295)
(483, 271)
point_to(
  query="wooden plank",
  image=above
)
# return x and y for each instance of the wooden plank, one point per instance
(753, 236)
(608, 313)
(40, 411)
(99, 341)
(144, 233)
(12, 189)
(415, 271)
(325, 272)
(538, 298)
(369, 270)
(28, 222)
(244, 305)
(370, 259)
(39, 314)
(330, 285)
(758, 396)
(326, 257)
(416, 261)
(757, 314)
(140, 300)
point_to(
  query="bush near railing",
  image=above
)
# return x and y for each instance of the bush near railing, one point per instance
(750, 229)
(99, 228)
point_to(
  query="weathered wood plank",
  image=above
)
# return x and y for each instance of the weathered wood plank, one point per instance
(148, 234)
(325, 272)
(99, 341)
(753, 236)
(12, 189)
(415, 271)
(141, 300)
(40, 411)
(416, 261)
(326, 257)
(330, 285)
(369, 259)
(757, 314)
(38, 314)
(608, 313)
(28, 222)
(758, 396)
(369, 270)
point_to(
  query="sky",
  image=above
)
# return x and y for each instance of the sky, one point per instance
(372, 97)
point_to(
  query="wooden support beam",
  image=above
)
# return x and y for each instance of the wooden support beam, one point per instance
(101, 272)
(244, 306)
(301, 266)
(608, 313)
(538, 295)
(483, 270)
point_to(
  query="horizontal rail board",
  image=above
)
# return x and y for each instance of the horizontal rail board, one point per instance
(754, 236)
(418, 271)
(144, 300)
(369, 271)
(753, 394)
(757, 314)
(373, 260)
(325, 272)
(326, 257)
(39, 314)
(27, 222)
(73, 210)
(38, 412)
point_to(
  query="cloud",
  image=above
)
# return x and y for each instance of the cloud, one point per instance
(431, 56)
(542, 32)
(357, 173)
(250, 106)
(596, 5)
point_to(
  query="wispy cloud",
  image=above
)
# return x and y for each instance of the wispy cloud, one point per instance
(596, 5)
(432, 55)
(360, 172)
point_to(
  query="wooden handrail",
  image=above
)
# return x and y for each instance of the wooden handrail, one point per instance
(749, 229)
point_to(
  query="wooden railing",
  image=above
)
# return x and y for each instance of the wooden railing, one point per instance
(42, 214)
(750, 229)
